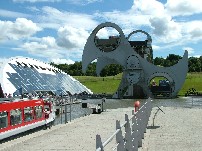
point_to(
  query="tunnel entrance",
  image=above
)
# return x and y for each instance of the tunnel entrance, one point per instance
(160, 87)
(138, 92)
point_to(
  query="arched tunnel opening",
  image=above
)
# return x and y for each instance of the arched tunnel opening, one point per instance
(138, 92)
(160, 87)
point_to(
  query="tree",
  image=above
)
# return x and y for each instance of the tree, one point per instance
(91, 70)
(194, 64)
(159, 61)
(173, 59)
(170, 60)
(76, 69)
(111, 70)
(200, 58)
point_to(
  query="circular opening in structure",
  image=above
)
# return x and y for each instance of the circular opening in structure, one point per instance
(139, 36)
(107, 39)
(160, 87)
(139, 42)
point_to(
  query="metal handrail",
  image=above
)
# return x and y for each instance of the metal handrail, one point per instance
(119, 129)
(110, 138)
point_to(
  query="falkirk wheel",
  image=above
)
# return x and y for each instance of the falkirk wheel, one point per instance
(136, 59)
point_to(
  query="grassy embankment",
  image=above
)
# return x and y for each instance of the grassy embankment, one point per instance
(110, 84)
(193, 80)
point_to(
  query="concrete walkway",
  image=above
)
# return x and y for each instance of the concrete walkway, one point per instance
(79, 135)
(179, 129)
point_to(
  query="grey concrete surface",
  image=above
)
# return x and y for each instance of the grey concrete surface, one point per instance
(79, 135)
(179, 129)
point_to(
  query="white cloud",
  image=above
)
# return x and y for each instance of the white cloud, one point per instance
(145, 13)
(43, 47)
(21, 28)
(2, 60)
(46, 47)
(193, 30)
(93, 1)
(35, 1)
(166, 29)
(106, 32)
(73, 28)
(148, 7)
(54, 18)
(197, 56)
(62, 61)
(83, 2)
(33, 9)
(189, 49)
(128, 21)
(70, 37)
(12, 14)
(183, 7)
(163, 27)
(156, 47)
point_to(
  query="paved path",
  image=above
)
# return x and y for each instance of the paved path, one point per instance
(79, 135)
(179, 129)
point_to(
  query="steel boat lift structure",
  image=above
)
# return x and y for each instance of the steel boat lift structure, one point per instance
(136, 59)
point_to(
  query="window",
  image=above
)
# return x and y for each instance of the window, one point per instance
(38, 111)
(47, 108)
(3, 119)
(15, 116)
(28, 116)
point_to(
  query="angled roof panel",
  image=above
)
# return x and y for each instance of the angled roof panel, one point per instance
(33, 75)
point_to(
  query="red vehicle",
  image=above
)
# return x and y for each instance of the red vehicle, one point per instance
(17, 116)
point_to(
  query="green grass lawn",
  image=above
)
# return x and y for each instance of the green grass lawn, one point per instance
(193, 80)
(100, 85)
(110, 84)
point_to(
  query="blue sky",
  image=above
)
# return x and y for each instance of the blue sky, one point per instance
(57, 30)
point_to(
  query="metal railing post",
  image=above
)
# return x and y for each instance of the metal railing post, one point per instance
(61, 112)
(139, 124)
(70, 114)
(119, 137)
(134, 132)
(65, 113)
(149, 104)
(144, 119)
(128, 138)
(99, 143)
(149, 109)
